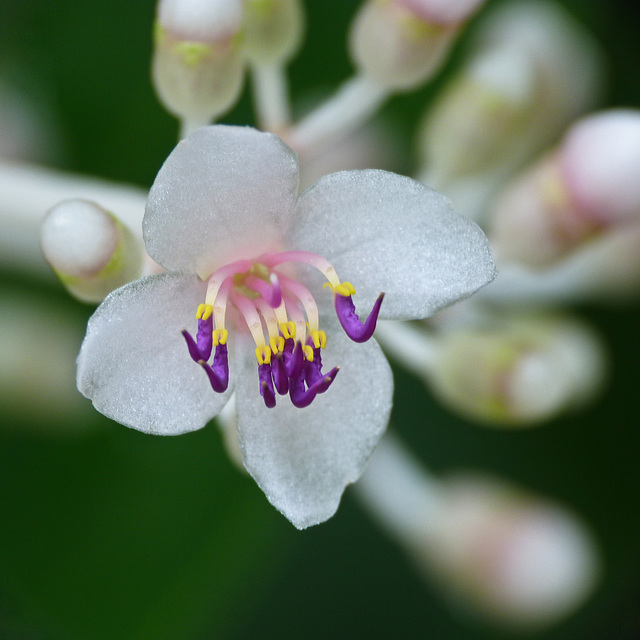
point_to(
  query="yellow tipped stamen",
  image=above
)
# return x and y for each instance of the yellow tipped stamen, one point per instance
(288, 329)
(263, 354)
(219, 336)
(308, 352)
(204, 312)
(277, 344)
(319, 339)
(345, 289)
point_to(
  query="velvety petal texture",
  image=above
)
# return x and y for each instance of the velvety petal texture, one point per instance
(224, 193)
(385, 232)
(304, 458)
(134, 364)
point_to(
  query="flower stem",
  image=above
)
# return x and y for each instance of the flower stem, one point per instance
(350, 107)
(413, 348)
(399, 492)
(271, 96)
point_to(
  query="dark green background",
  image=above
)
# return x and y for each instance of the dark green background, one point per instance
(115, 535)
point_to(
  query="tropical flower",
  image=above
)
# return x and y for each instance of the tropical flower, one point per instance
(243, 253)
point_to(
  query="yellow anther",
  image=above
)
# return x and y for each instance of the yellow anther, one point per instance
(277, 344)
(263, 354)
(204, 312)
(288, 329)
(219, 336)
(319, 339)
(308, 352)
(345, 289)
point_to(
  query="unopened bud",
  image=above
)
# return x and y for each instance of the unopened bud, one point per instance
(198, 66)
(512, 98)
(271, 29)
(585, 189)
(443, 11)
(476, 121)
(521, 371)
(89, 249)
(398, 44)
(522, 560)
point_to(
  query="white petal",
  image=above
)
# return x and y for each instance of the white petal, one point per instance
(304, 458)
(385, 232)
(224, 193)
(134, 364)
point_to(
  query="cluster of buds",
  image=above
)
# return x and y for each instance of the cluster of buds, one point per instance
(567, 228)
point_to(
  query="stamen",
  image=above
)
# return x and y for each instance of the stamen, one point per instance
(263, 354)
(272, 293)
(200, 348)
(218, 373)
(266, 385)
(306, 299)
(353, 327)
(301, 397)
(251, 317)
(288, 329)
(219, 276)
(306, 257)
(279, 374)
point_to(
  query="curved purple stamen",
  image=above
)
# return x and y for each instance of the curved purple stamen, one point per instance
(218, 372)
(313, 370)
(266, 385)
(279, 374)
(201, 347)
(346, 311)
(301, 397)
(293, 360)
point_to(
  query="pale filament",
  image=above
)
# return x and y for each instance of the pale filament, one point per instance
(306, 299)
(305, 257)
(218, 277)
(248, 310)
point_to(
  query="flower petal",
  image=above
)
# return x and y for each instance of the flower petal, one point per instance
(385, 232)
(134, 364)
(304, 458)
(222, 194)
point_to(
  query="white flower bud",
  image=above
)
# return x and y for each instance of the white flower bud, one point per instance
(271, 30)
(395, 46)
(443, 11)
(198, 67)
(89, 249)
(600, 162)
(521, 371)
(511, 99)
(522, 560)
(584, 190)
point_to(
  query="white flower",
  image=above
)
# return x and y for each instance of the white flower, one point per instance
(224, 219)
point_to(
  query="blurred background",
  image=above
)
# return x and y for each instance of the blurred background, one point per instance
(108, 533)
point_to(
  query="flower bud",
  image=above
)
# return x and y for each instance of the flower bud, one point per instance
(522, 560)
(508, 101)
(400, 43)
(521, 371)
(271, 29)
(198, 66)
(89, 249)
(584, 190)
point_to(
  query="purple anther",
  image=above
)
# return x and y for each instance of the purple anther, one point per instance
(313, 369)
(279, 374)
(346, 311)
(218, 372)
(266, 385)
(201, 347)
(301, 397)
(293, 360)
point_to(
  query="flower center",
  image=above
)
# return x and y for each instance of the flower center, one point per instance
(282, 317)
